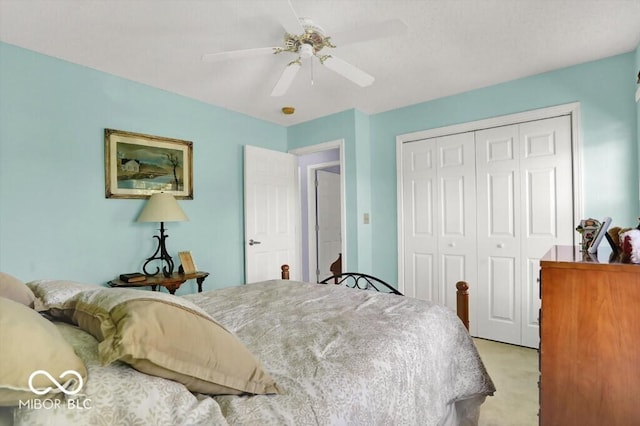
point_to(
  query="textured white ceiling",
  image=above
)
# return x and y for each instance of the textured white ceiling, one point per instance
(451, 46)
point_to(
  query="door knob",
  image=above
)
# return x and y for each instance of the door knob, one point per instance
(251, 242)
(501, 245)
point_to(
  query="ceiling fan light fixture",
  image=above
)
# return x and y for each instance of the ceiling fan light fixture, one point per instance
(306, 51)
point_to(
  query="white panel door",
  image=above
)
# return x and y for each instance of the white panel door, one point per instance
(419, 187)
(439, 217)
(456, 212)
(525, 206)
(328, 226)
(499, 216)
(547, 212)
(271, 214)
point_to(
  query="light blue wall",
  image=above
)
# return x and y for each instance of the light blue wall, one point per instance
(364, 176)
(55, 221)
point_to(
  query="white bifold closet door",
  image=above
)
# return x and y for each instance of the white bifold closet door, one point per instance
(525, 206)
(483, 207)
(439, 216)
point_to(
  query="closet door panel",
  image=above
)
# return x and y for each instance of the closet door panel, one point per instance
(420, 195)
(501, 204)
(499, 207)
(424, 286)
(502, 303)
(452, 267)
(456, 217)
(452, 190)
(546, 173)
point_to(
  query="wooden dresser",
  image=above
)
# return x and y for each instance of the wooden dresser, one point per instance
(589, 340)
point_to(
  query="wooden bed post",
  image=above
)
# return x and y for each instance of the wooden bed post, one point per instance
(462, 302)
(285, 272)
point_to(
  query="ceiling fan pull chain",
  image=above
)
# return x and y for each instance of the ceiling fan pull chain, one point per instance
(311, 71)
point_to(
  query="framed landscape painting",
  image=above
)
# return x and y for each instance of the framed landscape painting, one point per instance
(138, 165)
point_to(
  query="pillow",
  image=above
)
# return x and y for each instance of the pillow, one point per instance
(31, 343)
(14, 289)
(167, 336)
(52, 295)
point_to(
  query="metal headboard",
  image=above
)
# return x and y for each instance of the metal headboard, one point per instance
(360, 281)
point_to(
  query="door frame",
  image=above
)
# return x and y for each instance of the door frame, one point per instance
(571, 109)
(326, 146)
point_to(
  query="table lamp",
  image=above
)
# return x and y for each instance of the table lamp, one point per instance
(161, 207)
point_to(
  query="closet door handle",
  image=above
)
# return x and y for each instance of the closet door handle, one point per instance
(501, 245)
(452, 244)
(252, 242)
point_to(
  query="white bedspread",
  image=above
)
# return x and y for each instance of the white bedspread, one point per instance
(340, 357)
(345, 356)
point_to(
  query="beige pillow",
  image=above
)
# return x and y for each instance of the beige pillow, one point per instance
(30, 343)
(14, 289)
(166, 336)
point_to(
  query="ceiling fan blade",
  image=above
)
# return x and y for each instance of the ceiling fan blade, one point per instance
(287, 77)
(379, 30)
(287, 16)
(349, 71)
(236, 54)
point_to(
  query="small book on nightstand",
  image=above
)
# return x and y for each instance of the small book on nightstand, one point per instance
(133, 277)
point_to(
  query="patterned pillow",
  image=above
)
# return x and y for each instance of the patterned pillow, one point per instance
(167, 336)
(53, 295)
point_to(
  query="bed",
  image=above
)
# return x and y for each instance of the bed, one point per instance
(322, 354)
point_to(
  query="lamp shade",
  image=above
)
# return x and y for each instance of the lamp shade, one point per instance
(162, 207)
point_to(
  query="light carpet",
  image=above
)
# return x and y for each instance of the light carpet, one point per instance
(514, 370)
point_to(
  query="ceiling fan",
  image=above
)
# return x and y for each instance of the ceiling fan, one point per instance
(307, 40)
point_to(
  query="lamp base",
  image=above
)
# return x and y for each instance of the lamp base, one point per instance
(160, 254)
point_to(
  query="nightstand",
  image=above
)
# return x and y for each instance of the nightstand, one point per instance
(171, 283)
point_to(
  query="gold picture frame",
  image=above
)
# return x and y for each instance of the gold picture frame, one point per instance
(186, 262)
(138, 165)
